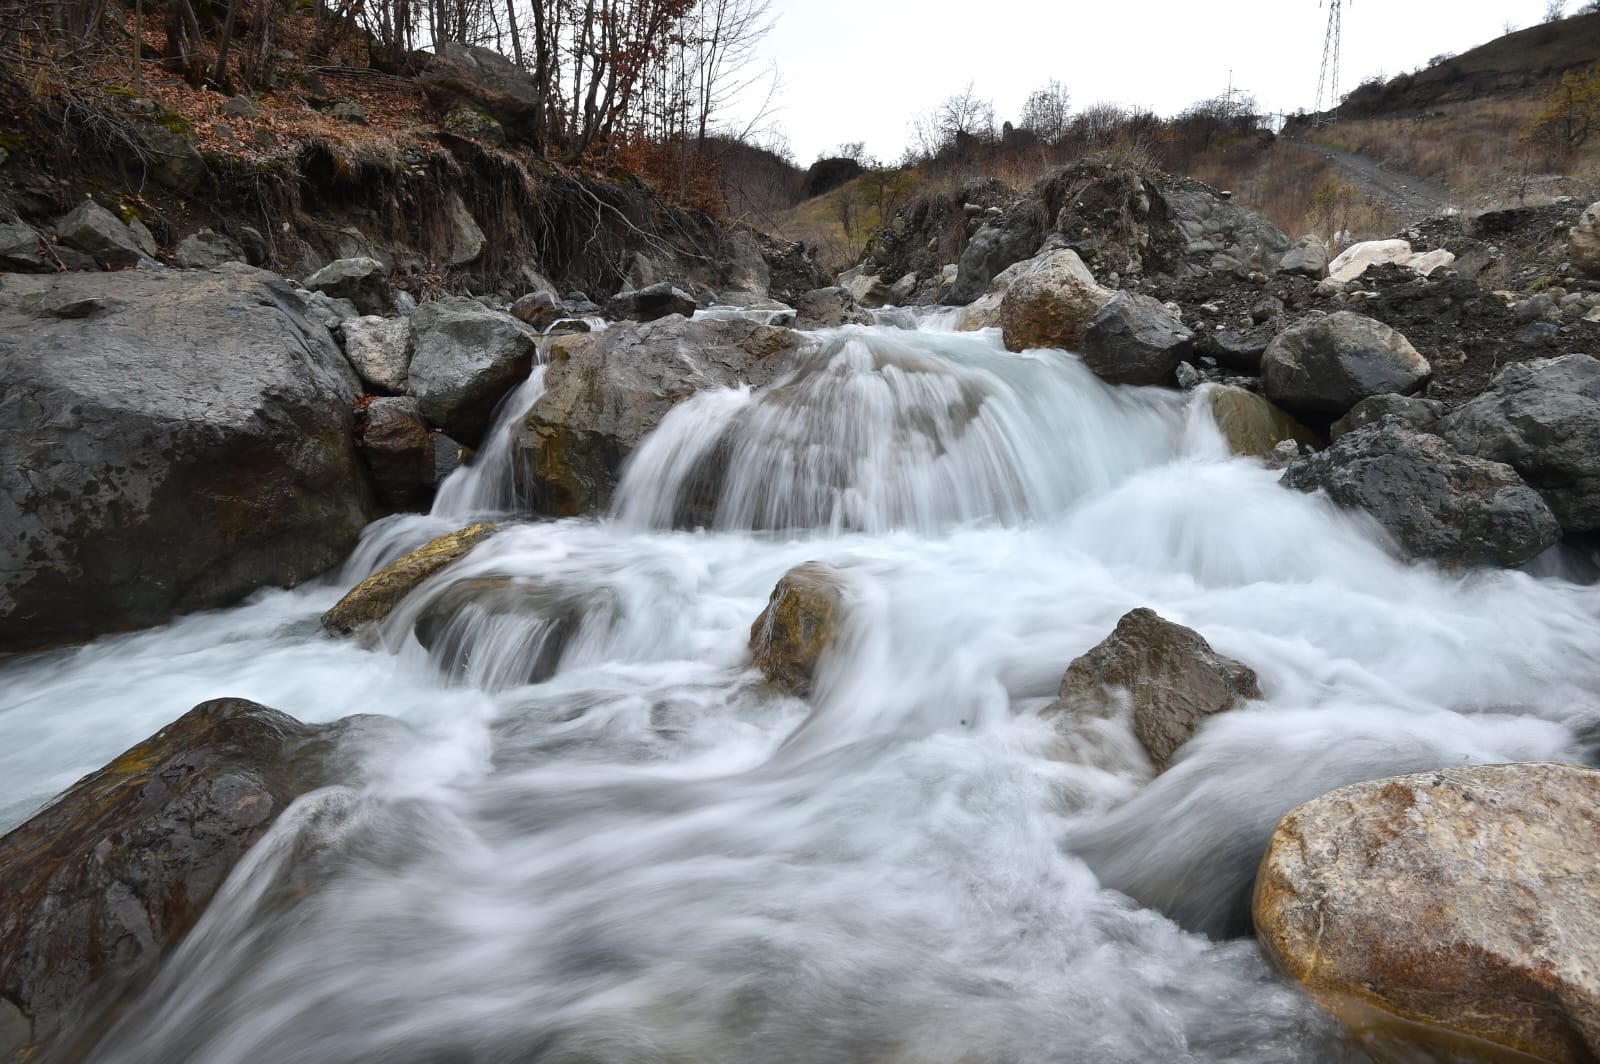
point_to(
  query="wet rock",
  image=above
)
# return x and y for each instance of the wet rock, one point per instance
(829, 308)
(797, 628)
(866, 288)
(1164, 675)
(1542, 418)
(1239, 349)
(104, 881)
(372, 600)
(1583, 243)
(363, 281)
(465, 358)
(1323, 366)
(1307, 258)
(1439, 505)
(22, 250)
(1421, 414)
(204, 249)
(180, 440)
(606, 391)
(530, 624)
(397, 444)
(95, 231)
(1133, 339)
(1455, 910)
(649, 303)
(379, 349)
(1252, 425)
(1050, 303)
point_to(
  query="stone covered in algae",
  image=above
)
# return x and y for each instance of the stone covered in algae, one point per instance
(374, 598)
(798, 626)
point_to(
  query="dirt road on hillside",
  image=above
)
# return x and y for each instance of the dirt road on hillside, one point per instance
(1412, 198)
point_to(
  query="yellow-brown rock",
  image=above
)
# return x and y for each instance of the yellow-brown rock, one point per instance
(1169, 674)
(1447, 909)
(375, 597)
(1252, 425)
(1050, 305)
(798, 626)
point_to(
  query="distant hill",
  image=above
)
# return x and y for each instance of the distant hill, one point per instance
(1513, 65)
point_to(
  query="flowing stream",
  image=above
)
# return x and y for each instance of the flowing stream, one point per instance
(599, 837)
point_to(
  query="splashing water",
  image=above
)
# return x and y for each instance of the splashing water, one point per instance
(604, 839)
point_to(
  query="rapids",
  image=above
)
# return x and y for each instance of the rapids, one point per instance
(599, 837)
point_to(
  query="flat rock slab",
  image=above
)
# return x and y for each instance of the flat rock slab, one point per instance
(1449, 905)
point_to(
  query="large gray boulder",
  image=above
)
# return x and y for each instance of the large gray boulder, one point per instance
(466, 76)
(1421, 414)
(1321, 366)
(606, 391)
(1133, 339)
(993, 248)
(96, 232)
(103, 882)
(22, 250)
(1542, 418)
(363, 281)
(1049, 303)
(203, 249)
(1240, 349)
(1231, 238)
(1307, 258)
(1165, 677)
(465, 358)
(175, 441)
(649, 303)
(829, 308)
(400, 449)
(1438, 504)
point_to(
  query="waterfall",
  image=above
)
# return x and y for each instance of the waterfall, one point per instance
(600, 836)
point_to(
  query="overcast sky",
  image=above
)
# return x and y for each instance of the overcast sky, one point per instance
(859, 69)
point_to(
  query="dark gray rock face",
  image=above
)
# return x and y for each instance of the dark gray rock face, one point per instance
(398, 445)
(1421, 414)
(96, 232)
(1439, 505)
(101, 883)
(606, 391)
(992, 248)
(465, 358)
(21, 250)
(1323, 366)
(363, 281)
(1133, 339)
(1542, 418)
(175, 440)
(1239, 349)
(829, 308)
(539, 310)
(649, 303)
(173, 160)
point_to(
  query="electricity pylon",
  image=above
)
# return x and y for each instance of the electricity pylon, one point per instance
(1328, 81)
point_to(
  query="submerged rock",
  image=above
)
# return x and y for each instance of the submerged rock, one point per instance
(798, 627)
(372, 600)
(178, 440)
(513, 630)
(1456, 909)
(1323, 366)
(1439, 505)
(102, 882)
(606, 391)
(1542, 418)
(1170, 677)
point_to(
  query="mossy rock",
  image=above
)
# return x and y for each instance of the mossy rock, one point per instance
(372, 600)
(798, 627)
(1252, 425)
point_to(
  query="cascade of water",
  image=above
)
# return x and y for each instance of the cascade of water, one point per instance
(603, 838)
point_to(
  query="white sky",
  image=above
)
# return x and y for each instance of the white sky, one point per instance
(859, 69)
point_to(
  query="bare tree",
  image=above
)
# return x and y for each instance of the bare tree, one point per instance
(965, 115)
(1555, 10)
(1045, 112)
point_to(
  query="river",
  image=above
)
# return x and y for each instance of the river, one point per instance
(599, 837)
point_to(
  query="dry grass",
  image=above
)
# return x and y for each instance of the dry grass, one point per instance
(1298, 190)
